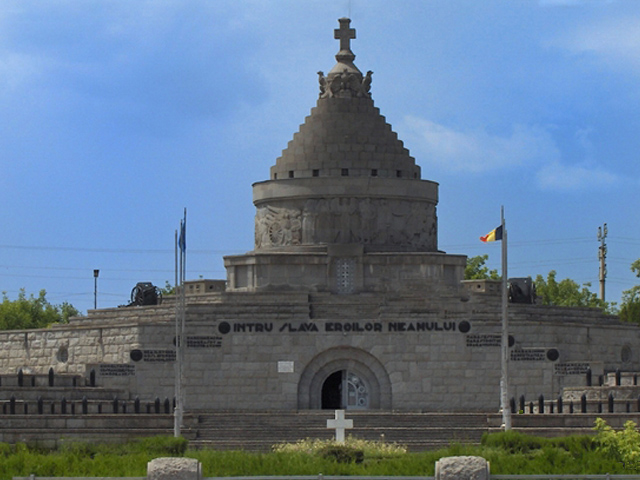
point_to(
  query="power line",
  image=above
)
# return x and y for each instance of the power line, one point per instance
(108, 250)
(633, 241)
(75, 269)
(546, 241)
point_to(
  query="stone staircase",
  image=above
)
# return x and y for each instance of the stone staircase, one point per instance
(259, 431)
(418, 431)
(49, 431)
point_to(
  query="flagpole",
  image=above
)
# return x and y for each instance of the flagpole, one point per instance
(176, 416)
(504, 363)
(183, 339)
(181, 270)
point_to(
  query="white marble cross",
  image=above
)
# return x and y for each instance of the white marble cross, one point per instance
(340, 424)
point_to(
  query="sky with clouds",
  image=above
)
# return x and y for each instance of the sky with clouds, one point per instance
(117, 115)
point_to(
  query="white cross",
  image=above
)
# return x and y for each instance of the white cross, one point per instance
(340, 424)
(344, 34)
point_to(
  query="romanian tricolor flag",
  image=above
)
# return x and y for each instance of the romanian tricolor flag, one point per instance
(493, 235)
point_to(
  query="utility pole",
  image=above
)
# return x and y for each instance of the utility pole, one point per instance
(602, 256)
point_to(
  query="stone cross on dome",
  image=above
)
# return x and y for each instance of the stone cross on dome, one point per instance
(345, 34)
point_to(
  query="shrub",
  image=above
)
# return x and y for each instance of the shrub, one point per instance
(342, 454)
(623, 446)
(369, 448)
(513, 441)
(162, 445)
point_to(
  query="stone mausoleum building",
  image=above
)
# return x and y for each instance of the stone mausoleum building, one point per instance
(345, 301)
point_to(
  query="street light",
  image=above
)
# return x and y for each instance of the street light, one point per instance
(95, 289)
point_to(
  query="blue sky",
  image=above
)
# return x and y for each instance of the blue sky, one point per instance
(118, 114)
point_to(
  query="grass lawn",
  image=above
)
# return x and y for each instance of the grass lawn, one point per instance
(507, 452)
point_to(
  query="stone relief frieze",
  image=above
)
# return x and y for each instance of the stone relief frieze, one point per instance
(400, 223)
(277, 227)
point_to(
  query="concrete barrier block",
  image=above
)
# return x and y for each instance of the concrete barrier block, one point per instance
(462, 468)
(174, 469)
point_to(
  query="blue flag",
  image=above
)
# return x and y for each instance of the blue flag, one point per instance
(182, 241)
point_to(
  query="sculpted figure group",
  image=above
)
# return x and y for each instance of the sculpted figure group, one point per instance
(345, 84)
(369, 221)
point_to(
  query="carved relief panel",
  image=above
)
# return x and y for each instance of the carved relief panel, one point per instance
(369, 221)
(277, 227)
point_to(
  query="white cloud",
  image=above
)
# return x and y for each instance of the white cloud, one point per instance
(477, 150)
(527, 149)
(615, 42)
(556, 176)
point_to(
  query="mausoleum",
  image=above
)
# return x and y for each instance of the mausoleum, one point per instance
(346, 300)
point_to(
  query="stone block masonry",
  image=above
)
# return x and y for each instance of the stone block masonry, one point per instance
(346, 301)
(411, 353)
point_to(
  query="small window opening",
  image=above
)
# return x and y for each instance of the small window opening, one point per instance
(398, 173)
(345, 172)
(290, 173)
(275, 176)
(315, 173)
(374, 172)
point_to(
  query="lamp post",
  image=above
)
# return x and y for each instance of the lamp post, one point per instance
(95, 288)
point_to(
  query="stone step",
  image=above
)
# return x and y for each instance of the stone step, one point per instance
(39, 380)
(49, 394)
(55, 438)
(259, 431)
(397, 436)
(361, 420)
(257, 446)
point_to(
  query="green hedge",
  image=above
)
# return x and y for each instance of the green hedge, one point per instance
(508, 453)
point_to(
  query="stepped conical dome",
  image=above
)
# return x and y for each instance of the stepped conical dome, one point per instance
(344, 209)
(346, 178)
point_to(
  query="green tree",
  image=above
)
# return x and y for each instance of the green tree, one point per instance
(477, 270)
(623, 445)
(566, 293)
(168, 289)
(32, 312)
(630, 306)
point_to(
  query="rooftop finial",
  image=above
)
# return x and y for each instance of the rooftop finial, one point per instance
(345, 34)
(344, 79)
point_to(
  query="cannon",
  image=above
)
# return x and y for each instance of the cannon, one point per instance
(145, 293)
(522, 290)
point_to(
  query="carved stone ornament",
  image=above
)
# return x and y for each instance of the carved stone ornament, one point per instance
(400, 223)
(345, 80)
(345, 85)
(276, 227)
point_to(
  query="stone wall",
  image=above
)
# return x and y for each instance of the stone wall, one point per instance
(347, 269)
(274, 351)
(53, 431)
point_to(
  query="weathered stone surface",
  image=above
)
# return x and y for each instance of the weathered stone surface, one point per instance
(174, 469)
(346, 279)
(462, 468)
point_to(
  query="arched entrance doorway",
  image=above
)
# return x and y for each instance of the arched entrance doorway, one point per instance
(344, 390)
(344, 378)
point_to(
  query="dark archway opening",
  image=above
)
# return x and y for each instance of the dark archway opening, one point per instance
(332, 392)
